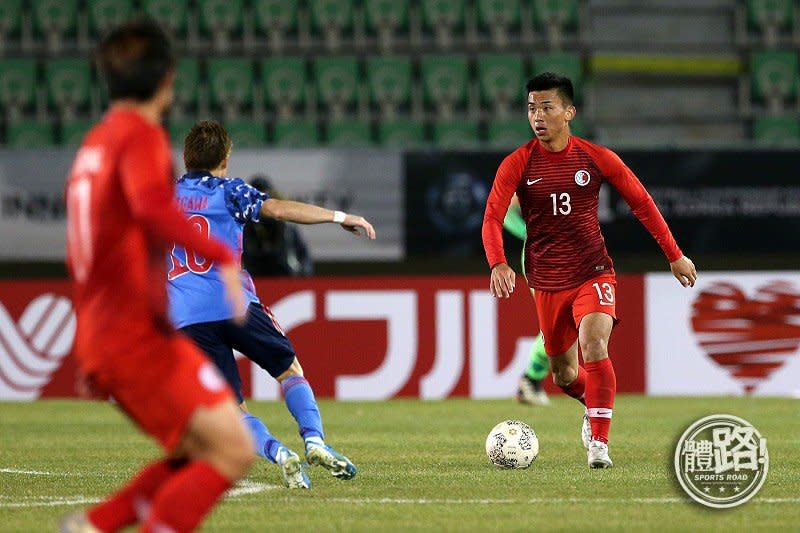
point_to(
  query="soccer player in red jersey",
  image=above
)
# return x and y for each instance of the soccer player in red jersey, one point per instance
(557, 178)
(121, 217)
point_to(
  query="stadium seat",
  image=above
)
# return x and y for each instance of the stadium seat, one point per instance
(401, 133)
(332, 18)
(443, 17)
(770, 17)
(777, 130)
(171, 13)
(275, 18)
(509, 134)
(444, 78)
(73, 131)
(554, 17)
(389, 82)
(385, 18)
(564, 63)
(54, 19)
(220, 18)
(10, 20)
(178, 130)
(501, 83)
(284, 80)
(105, 14)
(17, 85)
(337, 81)
(499, 17)
(247, 133)
(187, 81)
(68, 81)
(349, 133)
(296, 133)
(29, 134)
(774, 78)
(230, 81)
(456, 134)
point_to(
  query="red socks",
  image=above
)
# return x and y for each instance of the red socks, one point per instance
(577, 387)
(601, 385)
(185, 498)
(120, 509)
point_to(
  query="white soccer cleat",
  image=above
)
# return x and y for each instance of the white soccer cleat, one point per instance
(294, 475)
(527, 394)
(598, 455)
(586, 431)
(77, 523)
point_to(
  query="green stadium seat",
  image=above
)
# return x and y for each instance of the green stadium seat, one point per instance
(499, 17)
(17, 84)
(777, 130)
(73, 131)
(555, 17)
(443, 17)
(385, 18)
(770, 17)
(231, 83)
(275, 18)
(284, 80)
(401, 133)
(774, 78)
(54, 19)
(247, 133)
(171, 13)
(509, 134)
(564, 63)
(105, 14)
(337, 81)
(187, 81)
(332, 18)
(349, 133)
(296, 133)
(10, 19)
(29, 134)
(389, 81)
(220, 18)
(456, 134)
(444, 78)
(178, 130)
(68, 81)
(501, 83)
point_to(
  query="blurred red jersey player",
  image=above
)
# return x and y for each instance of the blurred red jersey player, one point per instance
(557, 179)
(120, 218)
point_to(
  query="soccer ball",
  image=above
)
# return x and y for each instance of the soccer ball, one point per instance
(512, 444)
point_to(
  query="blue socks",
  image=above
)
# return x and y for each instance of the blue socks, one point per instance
(266, 445)
(300, 401)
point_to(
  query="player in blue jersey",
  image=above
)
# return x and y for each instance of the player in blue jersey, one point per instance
(220, 207)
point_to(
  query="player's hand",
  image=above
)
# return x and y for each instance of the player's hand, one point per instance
(352, 223)
(684, 271)
(502, 281)
(231, 278)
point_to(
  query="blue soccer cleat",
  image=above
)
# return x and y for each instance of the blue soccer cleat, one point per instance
(337, 464)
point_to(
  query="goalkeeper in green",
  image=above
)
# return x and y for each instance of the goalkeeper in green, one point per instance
(530, 390)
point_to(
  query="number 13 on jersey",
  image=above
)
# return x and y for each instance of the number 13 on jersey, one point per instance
(194, 263)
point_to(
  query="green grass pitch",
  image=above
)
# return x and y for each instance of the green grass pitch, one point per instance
(422, 467)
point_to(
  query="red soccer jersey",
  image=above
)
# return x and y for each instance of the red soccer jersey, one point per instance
(559, 194)
(121, 216)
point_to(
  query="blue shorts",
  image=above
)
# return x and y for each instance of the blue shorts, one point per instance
(261, 340)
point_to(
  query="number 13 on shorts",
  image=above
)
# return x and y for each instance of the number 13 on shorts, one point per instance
(605, 292)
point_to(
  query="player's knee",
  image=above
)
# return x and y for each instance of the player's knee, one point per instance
(294, 370)
(594, 348)
(235, 452)
(564, 375)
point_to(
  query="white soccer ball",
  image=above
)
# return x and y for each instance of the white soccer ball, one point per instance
(512, 444)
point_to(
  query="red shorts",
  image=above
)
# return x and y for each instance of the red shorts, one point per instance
(159, 381)
(560, 312)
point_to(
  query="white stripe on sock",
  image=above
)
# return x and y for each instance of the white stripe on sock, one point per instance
(598, 412)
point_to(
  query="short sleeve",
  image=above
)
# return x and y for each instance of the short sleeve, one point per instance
(243, 201)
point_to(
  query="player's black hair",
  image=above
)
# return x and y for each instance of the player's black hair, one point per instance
(550, 80)
(206, 146)
(134, 58)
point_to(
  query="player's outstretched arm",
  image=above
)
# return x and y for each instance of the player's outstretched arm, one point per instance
(303, 213)
(684, 271)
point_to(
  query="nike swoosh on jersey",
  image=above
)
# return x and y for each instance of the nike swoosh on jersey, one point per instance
(531, 182)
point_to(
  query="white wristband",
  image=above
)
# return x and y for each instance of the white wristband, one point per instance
(339, 216)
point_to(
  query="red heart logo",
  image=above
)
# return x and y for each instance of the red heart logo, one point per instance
(750, 337)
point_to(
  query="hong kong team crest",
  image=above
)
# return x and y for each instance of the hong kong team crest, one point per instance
(721, 461)
(582, 177)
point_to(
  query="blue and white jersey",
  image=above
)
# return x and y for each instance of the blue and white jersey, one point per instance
(219, 207)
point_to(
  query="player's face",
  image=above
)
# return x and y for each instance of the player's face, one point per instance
(548, 114)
